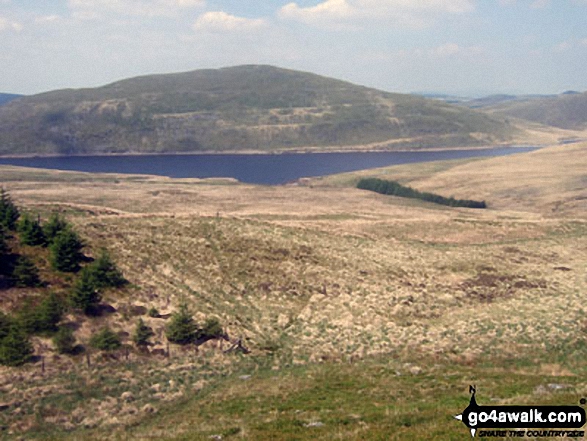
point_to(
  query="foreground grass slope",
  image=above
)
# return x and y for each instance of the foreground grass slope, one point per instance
(260, 108)
(348, 300)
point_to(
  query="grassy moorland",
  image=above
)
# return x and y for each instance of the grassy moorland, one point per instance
(367, 316)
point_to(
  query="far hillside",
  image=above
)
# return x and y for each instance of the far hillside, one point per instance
(261, 108)
(566, 111)
(7, 97)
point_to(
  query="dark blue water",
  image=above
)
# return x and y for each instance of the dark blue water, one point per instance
(255, 169)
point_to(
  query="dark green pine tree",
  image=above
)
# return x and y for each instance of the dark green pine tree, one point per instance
(104, 272)
(212, 328)
(25, 273)
(66, 251)
(3, 245)
(49, 313)
(4, 253)
(15, 347)
(84, 295)
(142, 333)
(31, 232)
(182, 328)
(54, 226)
(8, 212)
(105, 340)
(5, 324)
(64, 340)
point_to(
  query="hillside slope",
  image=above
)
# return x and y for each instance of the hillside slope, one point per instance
(7, 97)
(566, 111)
(241, 108)
(317, 280)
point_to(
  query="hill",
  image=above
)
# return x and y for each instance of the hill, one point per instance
(259, 108)
(566, 111)
(7, 97)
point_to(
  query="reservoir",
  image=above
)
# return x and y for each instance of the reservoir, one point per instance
(271, 169)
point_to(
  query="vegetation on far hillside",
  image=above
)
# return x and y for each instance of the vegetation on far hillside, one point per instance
(245, 107)
(396, 189)
(566, 111)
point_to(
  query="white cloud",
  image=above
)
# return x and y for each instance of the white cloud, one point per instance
(563, 47)
(583, 42)
(453, 49)
(8, 25)
(149, 8)
(506, 2)
(48, 19)
(220, 21)
(410, 13)
(446, 50)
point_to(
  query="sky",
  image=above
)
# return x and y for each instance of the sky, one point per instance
(460, 47)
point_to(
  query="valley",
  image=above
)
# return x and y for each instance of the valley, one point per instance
(367, 316)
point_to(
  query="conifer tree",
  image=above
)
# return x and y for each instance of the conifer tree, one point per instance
(15, 347)
(31, 232)
(3, 245)
(104, 273)
(8, 212)
(182, 328)
(84, 295)
(212, 328)
(4, 253)
(105, 340)
(64, 340)
(49, 313)
(54, 226)
(5, 324)
(142, 333)
(25, 273)
(66, 251)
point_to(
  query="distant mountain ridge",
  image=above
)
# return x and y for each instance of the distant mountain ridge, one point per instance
(261, 108)
(7, 97)
(566, 111)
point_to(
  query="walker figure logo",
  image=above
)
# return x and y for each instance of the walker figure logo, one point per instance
(477, 417)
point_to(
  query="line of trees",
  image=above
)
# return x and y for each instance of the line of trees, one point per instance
(396, 189)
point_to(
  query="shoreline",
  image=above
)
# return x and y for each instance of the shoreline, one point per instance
(300, 151)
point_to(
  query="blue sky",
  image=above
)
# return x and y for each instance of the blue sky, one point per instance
(466, 47)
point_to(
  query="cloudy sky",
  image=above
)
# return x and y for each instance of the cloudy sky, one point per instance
(447, 46)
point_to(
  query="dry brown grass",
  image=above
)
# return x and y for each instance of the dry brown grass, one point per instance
(323, 272)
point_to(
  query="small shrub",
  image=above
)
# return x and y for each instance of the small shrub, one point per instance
(8, 212)
(41, 318)
(54, 226)
(25, 273)
(84, 295)
(153, 312)
(66, 251)
(31, 232)
(105, 340)
(15, 347)
(49, 313)
(64, 340)
(5, 324)
(142, 333)
(182, 328)
(212, 328)
(104, 273)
